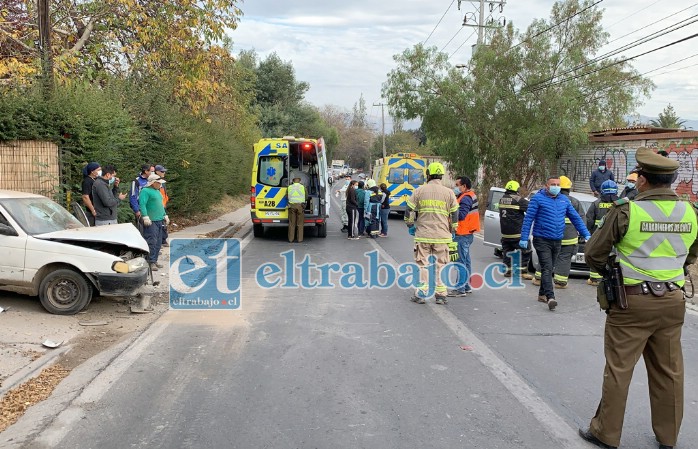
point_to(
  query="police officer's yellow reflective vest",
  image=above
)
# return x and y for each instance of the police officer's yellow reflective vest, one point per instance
(656, 245)
(296, 193)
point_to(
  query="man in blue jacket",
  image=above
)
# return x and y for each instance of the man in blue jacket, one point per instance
(547, 212)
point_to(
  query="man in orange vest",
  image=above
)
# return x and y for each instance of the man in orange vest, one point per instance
(468, 224)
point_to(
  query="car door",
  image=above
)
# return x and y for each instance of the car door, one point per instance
(12, 248)
(493, 233)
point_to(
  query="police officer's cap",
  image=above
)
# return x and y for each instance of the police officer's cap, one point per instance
(653, 163)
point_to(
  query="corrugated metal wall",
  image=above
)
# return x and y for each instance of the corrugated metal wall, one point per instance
(620, 158)
(29, 166)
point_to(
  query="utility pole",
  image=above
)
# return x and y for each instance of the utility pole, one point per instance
(469, 20)
(45, 46)
(383, 123)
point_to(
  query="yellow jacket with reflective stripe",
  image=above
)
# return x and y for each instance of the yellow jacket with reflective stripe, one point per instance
(656, 244)
(437, 212)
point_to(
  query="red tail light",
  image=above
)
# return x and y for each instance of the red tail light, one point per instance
(253, 201)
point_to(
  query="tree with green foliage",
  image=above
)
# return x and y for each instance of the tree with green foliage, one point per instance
(518, 106)
(668, 119)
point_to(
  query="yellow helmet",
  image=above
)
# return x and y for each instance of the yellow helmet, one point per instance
(512, 185)
(436, 168)
(565, 182)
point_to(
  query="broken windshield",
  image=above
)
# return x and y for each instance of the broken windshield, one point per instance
(39, 215)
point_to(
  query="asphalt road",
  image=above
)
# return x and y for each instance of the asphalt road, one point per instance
(364, 368)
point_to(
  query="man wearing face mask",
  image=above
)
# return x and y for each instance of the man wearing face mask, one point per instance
(630, 192)
(91, 171)
(106, 197)
(468, 225)
(598, 177)
(547, 211)
(654, 238)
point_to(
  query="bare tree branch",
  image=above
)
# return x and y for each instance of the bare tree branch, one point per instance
(14, 39)
(83, 39)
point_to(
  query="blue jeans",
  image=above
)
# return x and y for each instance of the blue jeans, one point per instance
(153, 236)
(384, 221)
(464, 242)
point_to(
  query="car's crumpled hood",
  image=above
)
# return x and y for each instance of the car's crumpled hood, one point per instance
(123, 234)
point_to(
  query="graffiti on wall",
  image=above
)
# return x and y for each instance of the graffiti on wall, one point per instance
(621, 160)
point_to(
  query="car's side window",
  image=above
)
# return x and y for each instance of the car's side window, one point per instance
(3, 220)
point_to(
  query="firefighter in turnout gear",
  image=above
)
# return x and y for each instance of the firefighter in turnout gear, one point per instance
(570, 239)
(296, 209)
(654, 237)
(598, 210)
(512, 208)
(432, 217)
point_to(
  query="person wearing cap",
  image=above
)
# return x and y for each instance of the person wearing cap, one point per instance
(432, 217)
(630, 192)
(136, 186)
(296, 210)
(546, 213)
(153, 216)
(598, 177)
(106, 197)
(597, 211)
(512, 209)
(570, 239)
(468, 225)
(91, 172)
(160, 171)
(654, 237)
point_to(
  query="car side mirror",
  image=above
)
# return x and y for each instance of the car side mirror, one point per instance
(7, 230)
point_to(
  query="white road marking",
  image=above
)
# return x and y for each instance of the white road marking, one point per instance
(552, 422)
(95, 390)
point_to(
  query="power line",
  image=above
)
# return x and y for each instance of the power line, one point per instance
(635, 13)
(653, 23)
(556, 25)
(607, 55)
(439, 22)
(451, 40)
(461, 45)
(614, 63)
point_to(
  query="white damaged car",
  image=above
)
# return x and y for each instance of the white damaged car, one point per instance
(45, 251)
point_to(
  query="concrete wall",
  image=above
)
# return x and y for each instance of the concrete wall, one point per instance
(619, 153)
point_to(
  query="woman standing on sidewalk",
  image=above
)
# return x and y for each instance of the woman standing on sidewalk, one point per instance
(353, 211)
(385, 210)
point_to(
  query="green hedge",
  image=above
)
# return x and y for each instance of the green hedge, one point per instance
(127, 125)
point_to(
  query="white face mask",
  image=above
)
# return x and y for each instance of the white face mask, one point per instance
(99, 172)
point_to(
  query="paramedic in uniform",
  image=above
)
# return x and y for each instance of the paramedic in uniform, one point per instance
(655, 239)
(296, 206)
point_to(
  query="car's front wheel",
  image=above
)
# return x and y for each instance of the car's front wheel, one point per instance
(64, 292)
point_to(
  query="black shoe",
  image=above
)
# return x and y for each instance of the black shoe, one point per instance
(587, 435)
(664, 446)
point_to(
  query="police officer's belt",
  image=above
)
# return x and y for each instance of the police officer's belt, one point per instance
(655, 288)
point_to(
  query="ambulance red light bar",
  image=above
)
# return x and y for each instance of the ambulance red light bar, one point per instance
(306, 146)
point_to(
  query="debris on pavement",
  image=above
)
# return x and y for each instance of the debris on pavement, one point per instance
(92, 323)
(19, 399)
(51, 344)
(466, 347)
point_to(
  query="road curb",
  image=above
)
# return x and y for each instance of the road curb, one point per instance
(31, 370)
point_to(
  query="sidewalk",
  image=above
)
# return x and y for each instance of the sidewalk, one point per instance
(238, 219)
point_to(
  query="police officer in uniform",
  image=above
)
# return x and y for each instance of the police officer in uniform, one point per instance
(655, 239)
(512, 208)
(598, 210)
(296, 206)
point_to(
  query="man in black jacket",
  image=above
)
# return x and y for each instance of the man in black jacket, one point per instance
(512, 208)
(598, 177)
(106, 197)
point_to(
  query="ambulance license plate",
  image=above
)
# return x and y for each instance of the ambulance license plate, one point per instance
(273, 214)
(579, 258)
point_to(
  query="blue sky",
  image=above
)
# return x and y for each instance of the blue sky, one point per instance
(345, 48)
